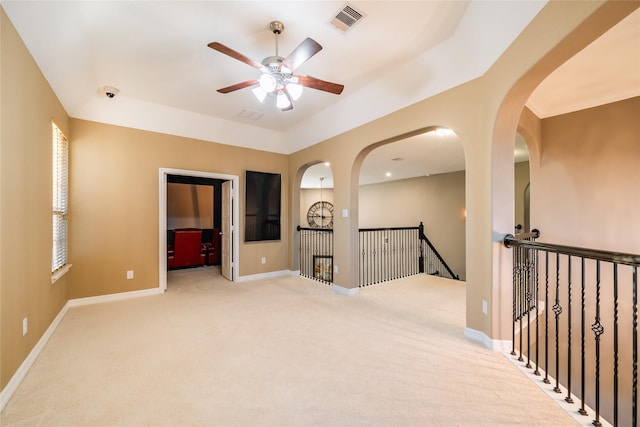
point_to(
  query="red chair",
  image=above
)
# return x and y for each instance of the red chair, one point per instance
(186, 250)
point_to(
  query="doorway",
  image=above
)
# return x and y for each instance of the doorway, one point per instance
(230, 239)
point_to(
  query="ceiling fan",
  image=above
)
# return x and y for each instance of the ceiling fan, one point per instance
(277, 76)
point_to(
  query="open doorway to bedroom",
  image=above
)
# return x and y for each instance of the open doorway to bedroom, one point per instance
(197, 213)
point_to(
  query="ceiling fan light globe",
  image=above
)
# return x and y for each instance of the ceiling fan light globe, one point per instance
(295, 90)
(259, 93)
(267, 83)
(282, 101)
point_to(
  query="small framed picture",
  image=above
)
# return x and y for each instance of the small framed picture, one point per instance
(323, 267)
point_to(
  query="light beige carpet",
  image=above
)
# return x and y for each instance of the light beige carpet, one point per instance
(277, 352)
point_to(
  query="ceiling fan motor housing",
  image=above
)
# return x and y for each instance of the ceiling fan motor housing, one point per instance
(277, 27)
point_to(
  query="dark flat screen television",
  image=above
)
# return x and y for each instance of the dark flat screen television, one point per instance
(262, 206)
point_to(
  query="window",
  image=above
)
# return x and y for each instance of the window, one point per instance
(60, 201)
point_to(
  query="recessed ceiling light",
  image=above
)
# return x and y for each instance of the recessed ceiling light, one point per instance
(444, 132)
(327, 164)
(388, 174)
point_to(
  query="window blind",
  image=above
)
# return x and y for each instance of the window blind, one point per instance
(60, 198)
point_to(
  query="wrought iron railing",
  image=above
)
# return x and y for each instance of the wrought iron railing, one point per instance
(430, 260)
(393, 253)
(546, 276)
(388, 254)
(316, 253)
(385, 254)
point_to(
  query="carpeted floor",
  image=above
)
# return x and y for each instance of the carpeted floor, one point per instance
(276, 352)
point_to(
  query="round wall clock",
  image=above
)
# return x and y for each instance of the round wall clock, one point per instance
(320, 215)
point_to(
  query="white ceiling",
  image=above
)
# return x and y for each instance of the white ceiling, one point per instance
(156, 55)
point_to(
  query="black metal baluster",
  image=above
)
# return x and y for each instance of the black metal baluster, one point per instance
(615, 344)
(535, 260)
(528, 307)
(582, 410)
(634, 387)
(546, 319)
(598, 330)
(515, 299)
(557, 309)
(568, 399)
(519, 312)
(370, 257)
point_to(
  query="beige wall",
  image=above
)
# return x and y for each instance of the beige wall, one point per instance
(586, 190)
(484, 113)
(521, 177)
(115, 203)
(27, 107)
(189, 205)
(114, 181)
(437, 201)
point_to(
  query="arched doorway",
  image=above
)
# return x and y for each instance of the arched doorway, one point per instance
(423, 174)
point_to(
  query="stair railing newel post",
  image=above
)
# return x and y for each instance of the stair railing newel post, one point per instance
(420, 238)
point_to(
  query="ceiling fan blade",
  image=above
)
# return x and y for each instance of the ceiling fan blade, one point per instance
(237, 86)
(318, 84)
(302, 53)
(236, 55)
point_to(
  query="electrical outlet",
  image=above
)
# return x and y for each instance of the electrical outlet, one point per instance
(484, 307)
(129, 274)
(25, 326)
(335, 268)
(264, 260)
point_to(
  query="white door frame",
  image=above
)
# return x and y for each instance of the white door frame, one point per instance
(162, 218)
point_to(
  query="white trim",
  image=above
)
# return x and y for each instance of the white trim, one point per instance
(8, 392)
(268, 275)
(569, 408)
(162, 218)
(345, 291)
(78, 302)
(21, 372)
(493, 345)
(57, 275)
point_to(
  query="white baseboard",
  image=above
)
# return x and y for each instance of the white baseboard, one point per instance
(16, 379)
(345, 291)
(264, 275)
(113, 297)
(491, 344)
(569, 408)
(7, 393)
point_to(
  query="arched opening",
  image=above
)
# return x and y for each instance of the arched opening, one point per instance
(313, 213)
(521, 185)
(417, 180)
(580, 167)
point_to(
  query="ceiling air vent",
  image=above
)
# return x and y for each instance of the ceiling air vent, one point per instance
(248, 114)
(346, 18)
